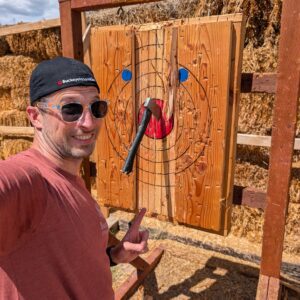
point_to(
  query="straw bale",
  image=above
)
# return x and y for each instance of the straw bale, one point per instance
(263, 17)
(253, 163)
(295, 186)
(248, 223)
(251, 175)
(39, 44)
(255, 114)
(14, 81)
(15, 71)
(13, 118)
(11, 147)
(20, 97)
(4, 47)
(292, 229)
(5, 99)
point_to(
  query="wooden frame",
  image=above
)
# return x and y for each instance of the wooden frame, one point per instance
(283, 133)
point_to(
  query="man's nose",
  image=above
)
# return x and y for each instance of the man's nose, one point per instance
(87, 120)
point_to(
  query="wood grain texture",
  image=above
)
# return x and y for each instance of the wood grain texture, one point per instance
(205, 49)
(258, 83)
(283, 135)
(111, 52)
(238, 36)
(268, 288)
(186, 175)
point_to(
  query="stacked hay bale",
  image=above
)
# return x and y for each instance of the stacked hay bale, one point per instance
(20, 53)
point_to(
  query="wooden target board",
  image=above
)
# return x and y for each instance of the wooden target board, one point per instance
(183, 169)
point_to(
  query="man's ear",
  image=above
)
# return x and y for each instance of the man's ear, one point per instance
(34, 116)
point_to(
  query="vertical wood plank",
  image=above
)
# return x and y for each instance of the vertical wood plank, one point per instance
(134, 114)
(154, 178)
(114, 188)
(283, 134)
(238, 35)
(142, 91)
(167, 145)
(206, 51)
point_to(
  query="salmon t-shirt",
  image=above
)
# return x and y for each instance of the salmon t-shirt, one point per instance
(53, 237)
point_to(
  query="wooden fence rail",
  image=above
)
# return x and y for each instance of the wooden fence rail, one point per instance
(242, 139)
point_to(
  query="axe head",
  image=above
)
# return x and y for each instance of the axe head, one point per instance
(153, 107)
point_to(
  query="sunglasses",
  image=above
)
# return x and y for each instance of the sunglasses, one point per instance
(72, 112)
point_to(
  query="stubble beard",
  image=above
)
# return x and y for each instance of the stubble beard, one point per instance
(66, 150)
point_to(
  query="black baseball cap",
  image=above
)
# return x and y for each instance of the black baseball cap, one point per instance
(59, 73)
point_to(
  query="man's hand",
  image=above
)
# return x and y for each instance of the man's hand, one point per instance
(134, 242)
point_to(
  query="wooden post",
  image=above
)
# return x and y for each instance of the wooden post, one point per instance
(71, 30)
(283, 135)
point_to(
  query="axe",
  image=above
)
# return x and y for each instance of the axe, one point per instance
(150, 108)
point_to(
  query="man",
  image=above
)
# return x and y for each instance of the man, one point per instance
(53, 237)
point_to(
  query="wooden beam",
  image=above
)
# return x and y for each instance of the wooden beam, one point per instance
(258, 83)
(20, 28)
(249, 196)
(83, 5)
(283, 135)
(260, 140)
(242, 139)
(268, 288)
(71, 31)
(128, 288)
(16, 131)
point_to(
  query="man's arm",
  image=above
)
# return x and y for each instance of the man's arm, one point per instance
(22, 203)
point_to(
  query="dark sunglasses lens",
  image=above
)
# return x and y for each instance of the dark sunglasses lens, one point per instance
(71, 112)
(99, 109)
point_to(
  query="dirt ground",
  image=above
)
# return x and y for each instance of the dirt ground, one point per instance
(191, 272)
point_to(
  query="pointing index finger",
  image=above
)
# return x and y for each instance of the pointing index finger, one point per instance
(138, 219)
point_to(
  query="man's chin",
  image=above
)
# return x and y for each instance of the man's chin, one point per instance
(82, 153)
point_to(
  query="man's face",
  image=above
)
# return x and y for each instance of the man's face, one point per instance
(70, 139)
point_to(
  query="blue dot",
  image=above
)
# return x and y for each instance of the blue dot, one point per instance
(183, 75)
(126, 75)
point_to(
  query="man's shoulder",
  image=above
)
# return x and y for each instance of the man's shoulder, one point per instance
(21, 164)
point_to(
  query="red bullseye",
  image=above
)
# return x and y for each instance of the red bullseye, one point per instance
(158, 129)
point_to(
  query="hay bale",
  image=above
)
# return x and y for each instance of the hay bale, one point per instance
(292, 229)
(39, 44)
(248, 223)
(20, 97)
(6, 102)
(15, 72)
(294, 191)
(251, 175)
(263, 17)
(13, 118)
(11, 147)
(255, 114)
(4, 47)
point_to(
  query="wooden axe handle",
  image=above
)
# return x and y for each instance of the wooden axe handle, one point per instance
(128, 165)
